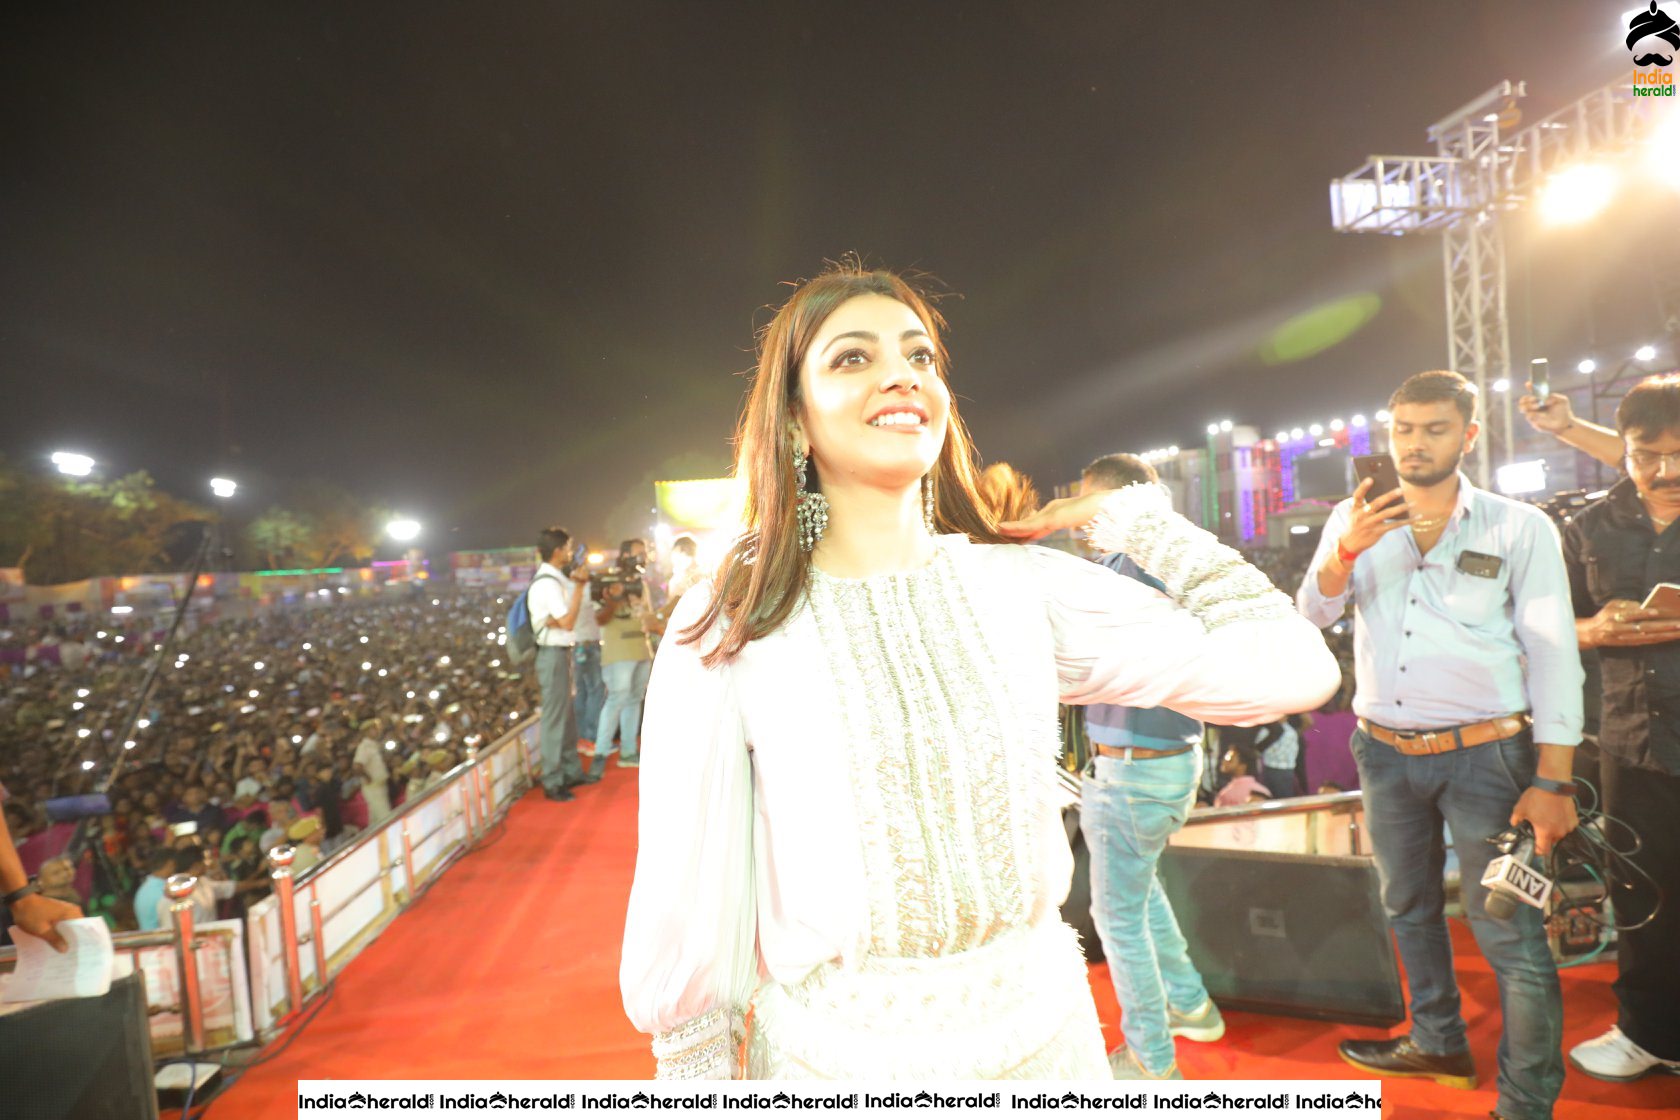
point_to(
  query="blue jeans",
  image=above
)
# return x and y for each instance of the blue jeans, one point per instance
(1407, 799)
(590, 692)
(1128, 809)
(627, 683)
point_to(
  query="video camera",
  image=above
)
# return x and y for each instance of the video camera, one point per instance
(625, 572)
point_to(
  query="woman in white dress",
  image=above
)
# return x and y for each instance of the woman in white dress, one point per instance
(849, 817)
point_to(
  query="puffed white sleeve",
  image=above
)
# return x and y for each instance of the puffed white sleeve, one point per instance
(690, 958)
(1223, 645)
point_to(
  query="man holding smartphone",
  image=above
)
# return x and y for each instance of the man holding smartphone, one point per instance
(1469, 703)
(1617, 550)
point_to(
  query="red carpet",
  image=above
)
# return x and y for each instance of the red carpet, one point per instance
(508, 968)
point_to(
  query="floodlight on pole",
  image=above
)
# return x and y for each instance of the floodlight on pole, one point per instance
(1576, 194)
(1503, 385)
(73, 464)
(223, 487)
(1587, 366)
(402, 529)
(1645, 353)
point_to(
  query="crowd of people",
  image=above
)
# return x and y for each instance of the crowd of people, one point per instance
(301, 726)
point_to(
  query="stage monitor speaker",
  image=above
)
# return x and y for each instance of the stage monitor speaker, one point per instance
(1287, 934)
(80, 1059)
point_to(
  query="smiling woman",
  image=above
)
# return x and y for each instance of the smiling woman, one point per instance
(849, 813)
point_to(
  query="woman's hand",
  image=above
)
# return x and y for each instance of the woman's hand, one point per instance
(1063, 513)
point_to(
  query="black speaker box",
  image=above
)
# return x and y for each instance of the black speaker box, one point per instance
(1287, 934)
(80, 1059)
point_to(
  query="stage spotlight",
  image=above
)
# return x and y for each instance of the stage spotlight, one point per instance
(1587, 366)
(72, 464)
(1645, 354)
(403, 529)
(1576, 194)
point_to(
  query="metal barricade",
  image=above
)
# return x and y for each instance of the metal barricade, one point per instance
(215, 985)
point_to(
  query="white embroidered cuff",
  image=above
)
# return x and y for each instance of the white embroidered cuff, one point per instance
(706, 1047)
(1210, 580)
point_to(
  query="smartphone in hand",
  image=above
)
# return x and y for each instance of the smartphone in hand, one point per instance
(1665, 598)
(1385, 477)
(1540, 379)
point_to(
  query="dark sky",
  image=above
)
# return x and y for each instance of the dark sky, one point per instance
(499, 264)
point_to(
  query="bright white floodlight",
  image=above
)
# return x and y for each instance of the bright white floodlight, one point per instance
(223, 487)
(1645, 353)
(1587, 366)
(1577, 194)
(403, 529)
(72, 464)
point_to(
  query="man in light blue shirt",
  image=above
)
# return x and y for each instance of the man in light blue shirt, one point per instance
(149, 898)
(1464, 640)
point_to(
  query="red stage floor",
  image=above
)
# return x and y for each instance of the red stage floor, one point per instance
(508, 968)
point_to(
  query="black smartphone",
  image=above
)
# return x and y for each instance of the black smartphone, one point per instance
(1540, 377)
(1385, 476)
(1378, 467)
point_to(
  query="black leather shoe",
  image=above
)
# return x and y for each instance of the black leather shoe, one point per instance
(561, 794)
(1400, 1057)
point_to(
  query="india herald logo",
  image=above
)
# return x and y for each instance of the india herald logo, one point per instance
(1653, 24)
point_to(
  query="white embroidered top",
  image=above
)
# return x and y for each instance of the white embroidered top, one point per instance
(877, 776)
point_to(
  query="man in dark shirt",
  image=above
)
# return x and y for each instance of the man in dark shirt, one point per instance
(1616, 550)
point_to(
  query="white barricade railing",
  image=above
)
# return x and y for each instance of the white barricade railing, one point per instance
(341, 905)
(243, 980)
(1322, 825)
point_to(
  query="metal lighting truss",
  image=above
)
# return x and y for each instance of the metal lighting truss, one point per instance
(1477, 172)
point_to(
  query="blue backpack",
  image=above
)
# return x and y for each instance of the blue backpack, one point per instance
(521, 639)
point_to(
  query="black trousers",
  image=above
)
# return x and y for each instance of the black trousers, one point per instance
(1648, 959)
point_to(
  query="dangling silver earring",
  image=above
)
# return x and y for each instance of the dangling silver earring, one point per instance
(927, 503)
(811, 513)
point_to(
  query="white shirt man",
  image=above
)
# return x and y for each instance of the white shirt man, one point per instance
(369, 759)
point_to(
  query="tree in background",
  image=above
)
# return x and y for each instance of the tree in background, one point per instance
(278, 537)
(59, 529)
(320, 525)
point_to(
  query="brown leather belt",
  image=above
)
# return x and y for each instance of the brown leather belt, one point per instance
(1138, 752)
(1447, 738)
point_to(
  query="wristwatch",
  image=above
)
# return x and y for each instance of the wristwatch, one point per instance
(29, 888)
(1552, 785)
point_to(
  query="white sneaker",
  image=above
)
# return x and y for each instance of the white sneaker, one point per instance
(1204, 1024)
(1613, 1056)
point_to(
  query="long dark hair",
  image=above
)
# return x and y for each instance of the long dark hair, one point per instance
(762, 577)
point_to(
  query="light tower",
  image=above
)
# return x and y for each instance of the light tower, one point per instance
(1483, 167)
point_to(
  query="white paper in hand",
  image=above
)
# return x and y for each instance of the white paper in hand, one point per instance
(45, 973)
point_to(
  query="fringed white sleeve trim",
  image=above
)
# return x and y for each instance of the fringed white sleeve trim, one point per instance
(1210, 580)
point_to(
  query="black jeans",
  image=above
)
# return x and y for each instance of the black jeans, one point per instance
(1647, 959)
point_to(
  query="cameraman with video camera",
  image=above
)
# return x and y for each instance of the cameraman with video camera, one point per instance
(625, 614)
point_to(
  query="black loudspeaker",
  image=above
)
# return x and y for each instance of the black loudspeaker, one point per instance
(80, 1059)
(1287, 934)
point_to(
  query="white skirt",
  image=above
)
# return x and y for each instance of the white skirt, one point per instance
(1017, 1008)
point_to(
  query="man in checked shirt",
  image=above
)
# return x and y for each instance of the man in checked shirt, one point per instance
(1469, 702)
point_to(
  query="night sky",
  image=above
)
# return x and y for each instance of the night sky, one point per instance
(499, 265)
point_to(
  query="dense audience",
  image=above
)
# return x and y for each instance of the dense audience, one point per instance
(298, 725)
